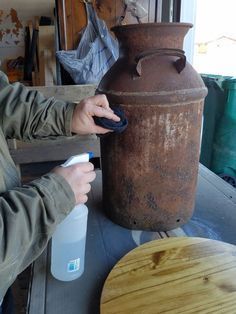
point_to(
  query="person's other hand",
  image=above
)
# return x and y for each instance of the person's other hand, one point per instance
(82, 120)
(79, 177)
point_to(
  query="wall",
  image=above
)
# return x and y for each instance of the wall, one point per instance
(14, 15)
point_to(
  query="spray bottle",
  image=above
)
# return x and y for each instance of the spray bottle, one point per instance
(69, 238)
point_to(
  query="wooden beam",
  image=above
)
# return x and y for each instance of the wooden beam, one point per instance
(38, 288)
(55, 150)
(72, 93)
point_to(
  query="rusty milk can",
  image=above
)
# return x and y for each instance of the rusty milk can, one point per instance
(150, 170)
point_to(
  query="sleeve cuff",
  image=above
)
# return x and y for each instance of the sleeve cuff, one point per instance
(68, 119)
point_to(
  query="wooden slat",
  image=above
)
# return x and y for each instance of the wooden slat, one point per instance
(72, 93)
(38, 286)
(72, 19)
(61, 24)
(79, 21)
(69, 24)
(46, 50)
(177, 275)
(55, 150)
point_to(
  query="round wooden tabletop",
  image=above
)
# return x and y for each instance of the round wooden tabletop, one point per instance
(173, 275)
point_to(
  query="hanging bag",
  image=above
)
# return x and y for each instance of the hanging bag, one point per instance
(96, 52)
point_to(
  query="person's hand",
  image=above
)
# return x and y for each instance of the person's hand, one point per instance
(79, 177)
(82, 120)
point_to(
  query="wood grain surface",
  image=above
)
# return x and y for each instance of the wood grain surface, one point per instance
(173, 275)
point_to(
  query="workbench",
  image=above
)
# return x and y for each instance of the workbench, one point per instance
(214, 217)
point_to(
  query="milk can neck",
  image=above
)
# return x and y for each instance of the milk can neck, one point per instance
(137, 38)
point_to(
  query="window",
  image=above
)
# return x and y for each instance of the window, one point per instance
(215, 37)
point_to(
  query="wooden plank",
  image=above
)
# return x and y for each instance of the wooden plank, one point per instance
(61, 24)
(49, 68)
(30, 62)
(20, 290)
(72, 19)
(35, 75)
(42, 67)
(46, 51)
(54, 151)
(57, 141)
(68, 15)
(71, 93)
(37, 291)
(46, 38)
(176, 275)
(79, 21)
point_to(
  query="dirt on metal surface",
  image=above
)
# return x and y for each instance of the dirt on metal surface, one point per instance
(150, 170)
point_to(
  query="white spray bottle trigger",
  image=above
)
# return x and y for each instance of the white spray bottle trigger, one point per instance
(77, 159)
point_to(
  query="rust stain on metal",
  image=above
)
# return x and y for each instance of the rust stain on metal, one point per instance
(176, 129)
(151, 201)
(150, 170)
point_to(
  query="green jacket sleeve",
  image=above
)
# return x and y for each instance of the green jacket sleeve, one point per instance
(27, 114)
(28, 217)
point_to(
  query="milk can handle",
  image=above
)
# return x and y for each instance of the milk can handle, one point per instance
(179, 64)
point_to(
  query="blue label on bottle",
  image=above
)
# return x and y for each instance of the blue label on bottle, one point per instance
(73, 265)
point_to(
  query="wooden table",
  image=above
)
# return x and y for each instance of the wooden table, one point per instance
(174, 275)
(108, 242)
